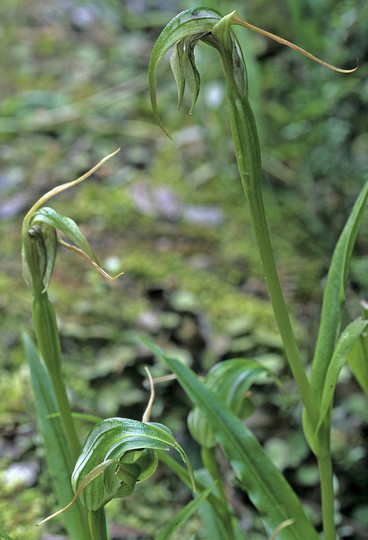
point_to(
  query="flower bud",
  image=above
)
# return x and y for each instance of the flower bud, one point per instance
(119, 453)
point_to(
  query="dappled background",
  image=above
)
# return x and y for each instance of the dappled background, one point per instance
(171, 215)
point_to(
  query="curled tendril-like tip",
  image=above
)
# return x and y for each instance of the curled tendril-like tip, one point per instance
(282, 525)
(84, 255)
(39, 238)
(87, 480)
(147, 413)
(235, 19)
(63, 187)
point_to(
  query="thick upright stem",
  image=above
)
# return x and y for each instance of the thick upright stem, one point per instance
(210, 462)
(249, 162)
(327, 493)
(49, 346)
(97, 524)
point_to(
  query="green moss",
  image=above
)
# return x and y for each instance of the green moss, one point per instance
(20, 510)
(15, 391)
(72, 96)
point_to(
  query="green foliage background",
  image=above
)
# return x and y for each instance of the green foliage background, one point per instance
(171, 215)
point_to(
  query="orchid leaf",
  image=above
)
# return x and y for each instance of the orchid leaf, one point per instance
(348, 339)
(358, 358)
(358, 361)
(256, 474)
(334, 296)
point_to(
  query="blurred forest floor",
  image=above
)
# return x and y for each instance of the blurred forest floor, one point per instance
(171, 215)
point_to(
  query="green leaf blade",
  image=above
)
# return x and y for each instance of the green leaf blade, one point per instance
(358, 362)
(265, 485)
(348, 339)
(334, 295)
(358, 358)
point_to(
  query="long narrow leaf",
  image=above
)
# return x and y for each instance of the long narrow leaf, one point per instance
(344, 346)
(334, 295)
(358, 358)
(183, 515)
(358, 362)
(57, 454)
(257, 475)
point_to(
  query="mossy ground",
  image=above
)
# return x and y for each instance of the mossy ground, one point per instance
(173, 217)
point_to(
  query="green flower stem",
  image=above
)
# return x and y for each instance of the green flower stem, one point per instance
(97, 524)
(210, 462)
(251, 184)
(248, 156)
(327, 492)
(324, 460)
(247, 149)
(48, 341)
